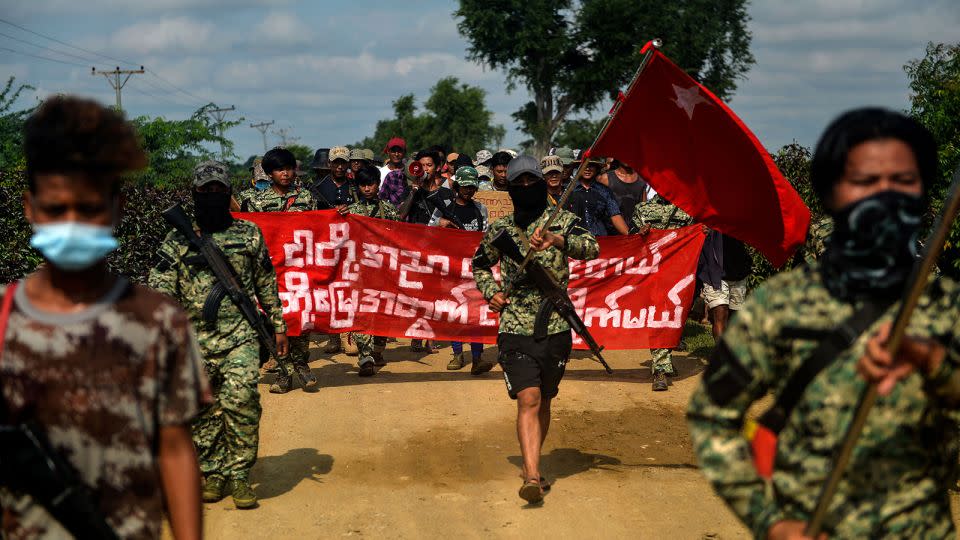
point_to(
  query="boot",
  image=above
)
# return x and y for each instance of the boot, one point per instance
(456, 362)
(378, 359)
(213, 488)
(480, 367)
(660, 383)
(307, 377)
(333, 344)
(367, 367)
(269, 367)
(283, 384)
(348, 344)
(243, 495)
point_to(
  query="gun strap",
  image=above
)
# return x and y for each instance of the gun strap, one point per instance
(834, 343)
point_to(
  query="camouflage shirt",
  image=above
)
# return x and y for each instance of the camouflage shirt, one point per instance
(519, 315)
(659, 214)
(375, 209)
(817, 239)
(269, 200)
(183, 274)
(245, 197)
(904, 462)
(101, 383)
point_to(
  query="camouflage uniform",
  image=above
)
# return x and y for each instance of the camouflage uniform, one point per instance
(519, 315)
(817, 239)
(295, 200)
(661, 215)
(226, 434)
(102, 383)
(903, 464)
(245, 197)
(369, 346)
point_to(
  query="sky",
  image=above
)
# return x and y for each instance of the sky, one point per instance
(325, 72)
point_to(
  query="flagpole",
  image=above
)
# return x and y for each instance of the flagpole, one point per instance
(648, 51)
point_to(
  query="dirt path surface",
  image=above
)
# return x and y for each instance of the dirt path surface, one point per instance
(421, 452)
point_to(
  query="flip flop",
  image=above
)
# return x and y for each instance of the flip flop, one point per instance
(531, 491)
(544, 485)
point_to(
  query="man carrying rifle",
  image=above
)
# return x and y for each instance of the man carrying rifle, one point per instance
(226, 434)
(103, 373)
(532, 367)
(803, 336)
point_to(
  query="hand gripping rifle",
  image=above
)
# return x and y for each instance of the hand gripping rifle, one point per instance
(915, 287)
(227, 283)
(555, 296)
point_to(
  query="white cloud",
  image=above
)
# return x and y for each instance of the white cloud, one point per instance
(40, 8)
(177, 34)
(281, 28)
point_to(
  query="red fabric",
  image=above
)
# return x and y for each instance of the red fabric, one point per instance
(705, 160)
(764, 448)
(393, 279)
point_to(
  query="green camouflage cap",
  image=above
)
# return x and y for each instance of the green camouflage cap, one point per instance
(565, 154)
(484, 171)
(356, 154)
(368, 154)
(211, 171)
(466, 177)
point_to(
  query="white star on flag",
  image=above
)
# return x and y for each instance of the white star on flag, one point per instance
(688, 98)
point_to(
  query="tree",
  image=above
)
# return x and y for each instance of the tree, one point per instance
(11, 126)
(935, 102)
(571, 55)
(456, 116)
(578, 133)
(176, 146)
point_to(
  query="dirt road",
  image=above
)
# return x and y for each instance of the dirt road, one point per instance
(421, 452)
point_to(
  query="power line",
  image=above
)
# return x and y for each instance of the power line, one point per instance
(150, 71)
(262, 128)
(43, 57)
(220, 114)
(78, 57)
(115, 82)
(4, 21)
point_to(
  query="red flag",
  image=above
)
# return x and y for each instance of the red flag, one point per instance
(699, 155)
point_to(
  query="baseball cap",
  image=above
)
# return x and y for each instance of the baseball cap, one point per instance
(551, 164)
(483, 156)
(521, 165)
(210, 171)
(368, 154)
(511, 151)
(484, 172)
(466, 177)
(565, 154)
(396, 141)
(452, 156)
(356, 153)
(339, 152)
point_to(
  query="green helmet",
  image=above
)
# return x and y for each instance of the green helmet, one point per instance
(466, 177)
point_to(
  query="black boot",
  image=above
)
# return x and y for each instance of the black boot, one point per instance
(283, 384)
(306, 375)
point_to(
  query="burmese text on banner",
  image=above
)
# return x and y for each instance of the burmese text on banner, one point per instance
(353, 273)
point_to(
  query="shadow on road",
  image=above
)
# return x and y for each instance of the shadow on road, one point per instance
(279, 474)
(564, 462)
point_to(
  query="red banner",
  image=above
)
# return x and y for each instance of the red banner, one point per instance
(352, 273)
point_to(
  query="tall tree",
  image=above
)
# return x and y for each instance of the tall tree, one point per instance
(11, 125)
(935, 102)
(456, 116)
(571, 55)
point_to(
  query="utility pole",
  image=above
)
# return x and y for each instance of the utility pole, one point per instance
(284, 137)
(262, 128)
(113, 77)
(219, 114)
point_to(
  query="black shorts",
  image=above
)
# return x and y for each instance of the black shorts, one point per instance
(529, 363)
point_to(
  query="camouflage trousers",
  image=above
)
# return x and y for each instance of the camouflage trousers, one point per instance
(226, 433)
(367, 344)
(299, 353)
(662, 361)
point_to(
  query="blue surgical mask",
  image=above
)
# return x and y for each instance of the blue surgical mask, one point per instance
(73, 246)
(261, 185)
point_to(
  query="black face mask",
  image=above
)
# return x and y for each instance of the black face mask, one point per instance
(873, 246)
(529, 202)
(212, 211)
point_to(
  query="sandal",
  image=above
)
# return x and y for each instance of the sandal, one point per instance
(531, 491)
(544, 485)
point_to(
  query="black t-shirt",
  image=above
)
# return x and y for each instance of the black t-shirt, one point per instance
(327, 193)
(737, 263)
(424, 204)
(468, 215)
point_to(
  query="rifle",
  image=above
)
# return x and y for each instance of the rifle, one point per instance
(915, 287)
(227, 283)
(446, 214)
(30, 464)
(555, 297)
